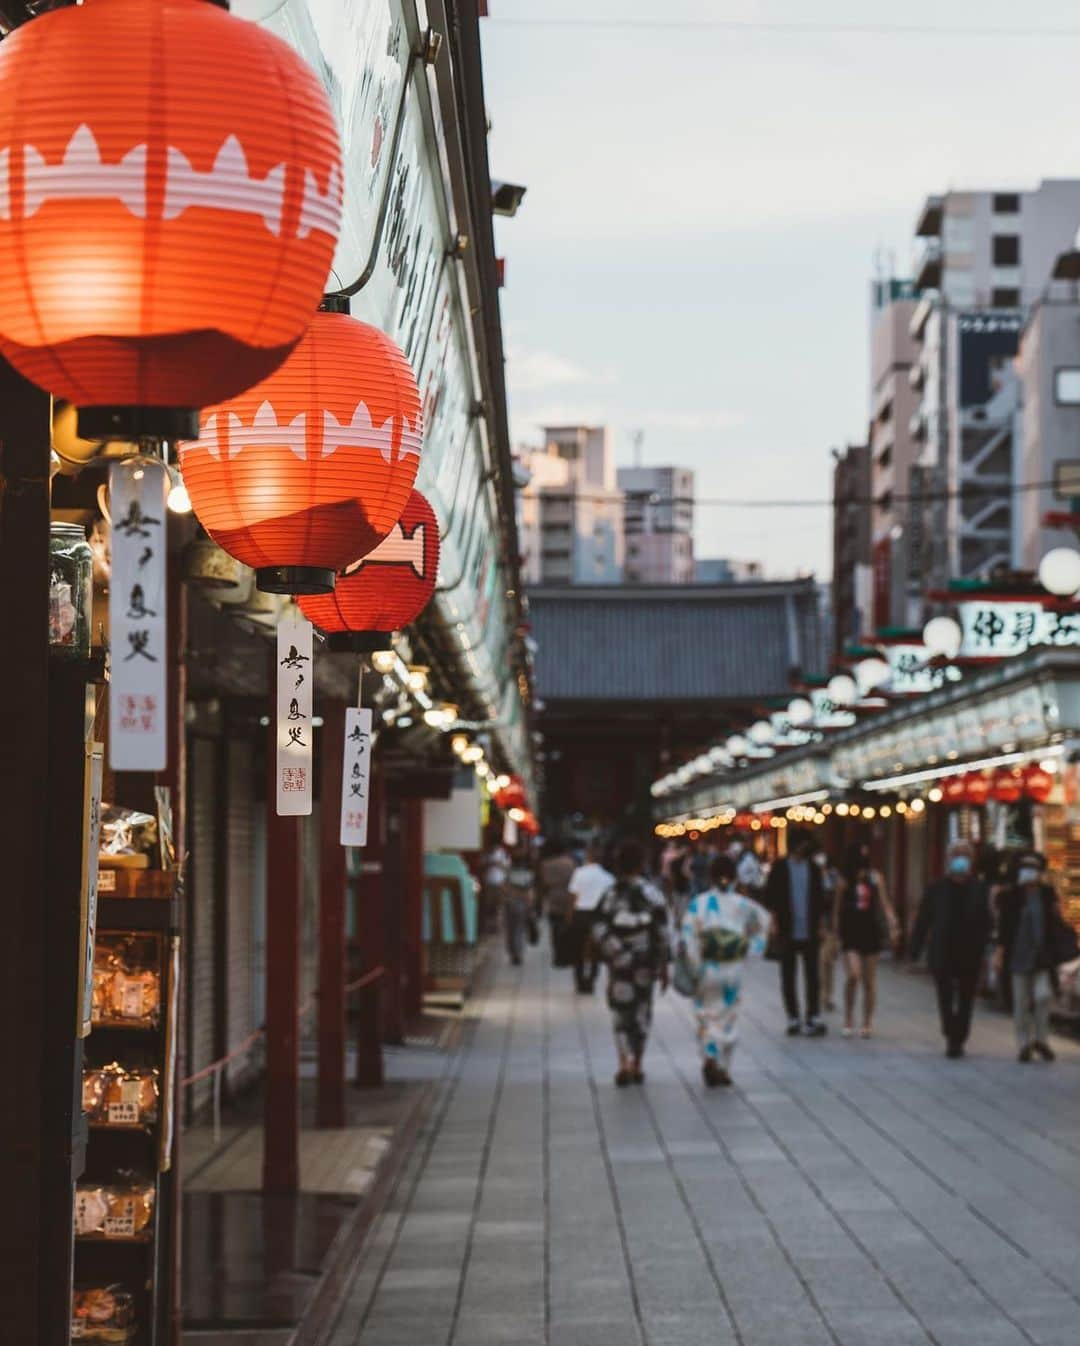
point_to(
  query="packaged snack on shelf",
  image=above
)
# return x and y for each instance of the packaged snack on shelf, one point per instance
(91, 1208)
(94, 1082)
(127, 981)
(131, 1094)
(131, 1208)
(102, 1313)
(126, 832)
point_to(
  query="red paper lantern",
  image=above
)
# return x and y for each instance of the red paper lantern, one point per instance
(311, 468)
(954, 790)
(390, 586)
(977, 788)
(1038, 784)
(170, 194)
(1007, 785)
(528, 823)
(513, 796)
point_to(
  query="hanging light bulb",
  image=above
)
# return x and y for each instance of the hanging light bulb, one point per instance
(178, 499)
(762, 733)
(1059, 571)
(943, 636)
(842, 690)
(459, 743)
(800, 711)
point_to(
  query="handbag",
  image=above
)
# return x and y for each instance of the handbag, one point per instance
(1062, 945)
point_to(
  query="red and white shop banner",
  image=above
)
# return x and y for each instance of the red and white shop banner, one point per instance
(138, 739)
(295, 684)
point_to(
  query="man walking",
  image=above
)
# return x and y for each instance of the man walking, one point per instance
(588, 884)
(953, 925)
(795, 894)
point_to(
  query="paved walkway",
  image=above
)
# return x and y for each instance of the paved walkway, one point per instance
(860, 1193)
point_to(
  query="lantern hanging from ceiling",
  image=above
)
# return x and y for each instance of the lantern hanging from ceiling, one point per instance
(389, 587)
(1038, 783)
(954, 790)
(512, 796)
(170, 195)
(1007, 785)
(311, 469)
(977, 788)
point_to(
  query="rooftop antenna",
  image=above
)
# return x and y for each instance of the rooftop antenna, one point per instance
(638, 439)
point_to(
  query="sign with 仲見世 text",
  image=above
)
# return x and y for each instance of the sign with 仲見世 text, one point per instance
(1001, 630)
(138, 739)
(295, 682)
(355, 777)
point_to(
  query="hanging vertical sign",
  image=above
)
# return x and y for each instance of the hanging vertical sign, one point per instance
(355, 777)
(137, 602)
(295, 684)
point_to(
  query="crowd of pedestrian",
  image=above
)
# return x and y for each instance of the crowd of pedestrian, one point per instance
(695, 914)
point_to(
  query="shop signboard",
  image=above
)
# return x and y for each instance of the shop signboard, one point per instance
(356, 777)
(912, 672)
(786, 734)
(1029, 715)
(295, 682)
(827, 714)
(137, 604)
(999, 630)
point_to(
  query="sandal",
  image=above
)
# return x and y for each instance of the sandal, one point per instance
(623, 1078)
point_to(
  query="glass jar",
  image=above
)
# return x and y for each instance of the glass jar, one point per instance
(71, 591)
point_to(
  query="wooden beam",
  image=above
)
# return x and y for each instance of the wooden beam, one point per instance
(330, 1102)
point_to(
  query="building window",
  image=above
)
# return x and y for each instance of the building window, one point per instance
(1005, 298)
(1006, 249)
(1006, 203)
(1067, 387)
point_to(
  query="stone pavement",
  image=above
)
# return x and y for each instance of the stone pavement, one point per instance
(847, 1192)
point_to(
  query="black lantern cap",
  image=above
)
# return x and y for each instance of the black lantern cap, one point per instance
(359, 642)
(131, 424)
(294, 580)
(335, 303)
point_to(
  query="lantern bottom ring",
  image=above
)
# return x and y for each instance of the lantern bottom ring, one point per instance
(359, 642)
(294, 580)
(132, 424)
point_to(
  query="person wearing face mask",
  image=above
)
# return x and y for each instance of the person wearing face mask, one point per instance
(1029, 927)
(953, 925)
(795, 894)
(862, 904)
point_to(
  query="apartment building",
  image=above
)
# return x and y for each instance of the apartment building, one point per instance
(658, 522)
(852, 585)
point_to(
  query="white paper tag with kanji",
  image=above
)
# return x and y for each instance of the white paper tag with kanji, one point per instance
(355, 777)
(137, 601)
(121, 1226)
(78, 1328)
(123, 1114)
(295, 682)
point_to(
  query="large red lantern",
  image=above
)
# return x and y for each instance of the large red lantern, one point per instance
(977, 788)
(170, 194)
(311, 468)
(1038, 784)
(954, 790)
(513, 795)
(1007, 785)
(390, 586)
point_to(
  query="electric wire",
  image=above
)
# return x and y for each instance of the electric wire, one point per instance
(776, 26)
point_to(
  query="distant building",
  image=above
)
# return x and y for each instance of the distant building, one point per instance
(1048, 435)
(725, 570)
(658, 522)
(570, 512)
(984, 258)
(852, 585)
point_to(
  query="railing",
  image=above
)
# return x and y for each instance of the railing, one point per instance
(215, 1071)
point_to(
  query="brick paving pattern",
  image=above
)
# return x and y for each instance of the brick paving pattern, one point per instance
(849, 1193)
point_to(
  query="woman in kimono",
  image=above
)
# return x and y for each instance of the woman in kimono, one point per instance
(630, 932)
(719, 930)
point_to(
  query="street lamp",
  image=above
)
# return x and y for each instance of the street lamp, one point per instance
(943, 636)
(738, 746)
(800, 711)
(842, 690)
(1059, 571)
(762, 733)
(871, 673)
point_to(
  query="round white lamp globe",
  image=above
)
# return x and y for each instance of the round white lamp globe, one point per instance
(871, 673)
(942, 636)
(842, 690)
(1059, 571)
(737, 745)
(800, 711)
(761, 733)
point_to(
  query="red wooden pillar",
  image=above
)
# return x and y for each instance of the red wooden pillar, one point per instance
(330, 1101)
(281, 1125)
(369, 925)
(413, 905)
(393, 908)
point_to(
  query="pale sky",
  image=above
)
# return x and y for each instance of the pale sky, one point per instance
(705, 205)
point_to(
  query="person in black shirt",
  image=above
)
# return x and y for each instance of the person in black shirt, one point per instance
(953, 925)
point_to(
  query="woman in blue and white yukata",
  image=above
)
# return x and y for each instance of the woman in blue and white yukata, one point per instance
(720, 929)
